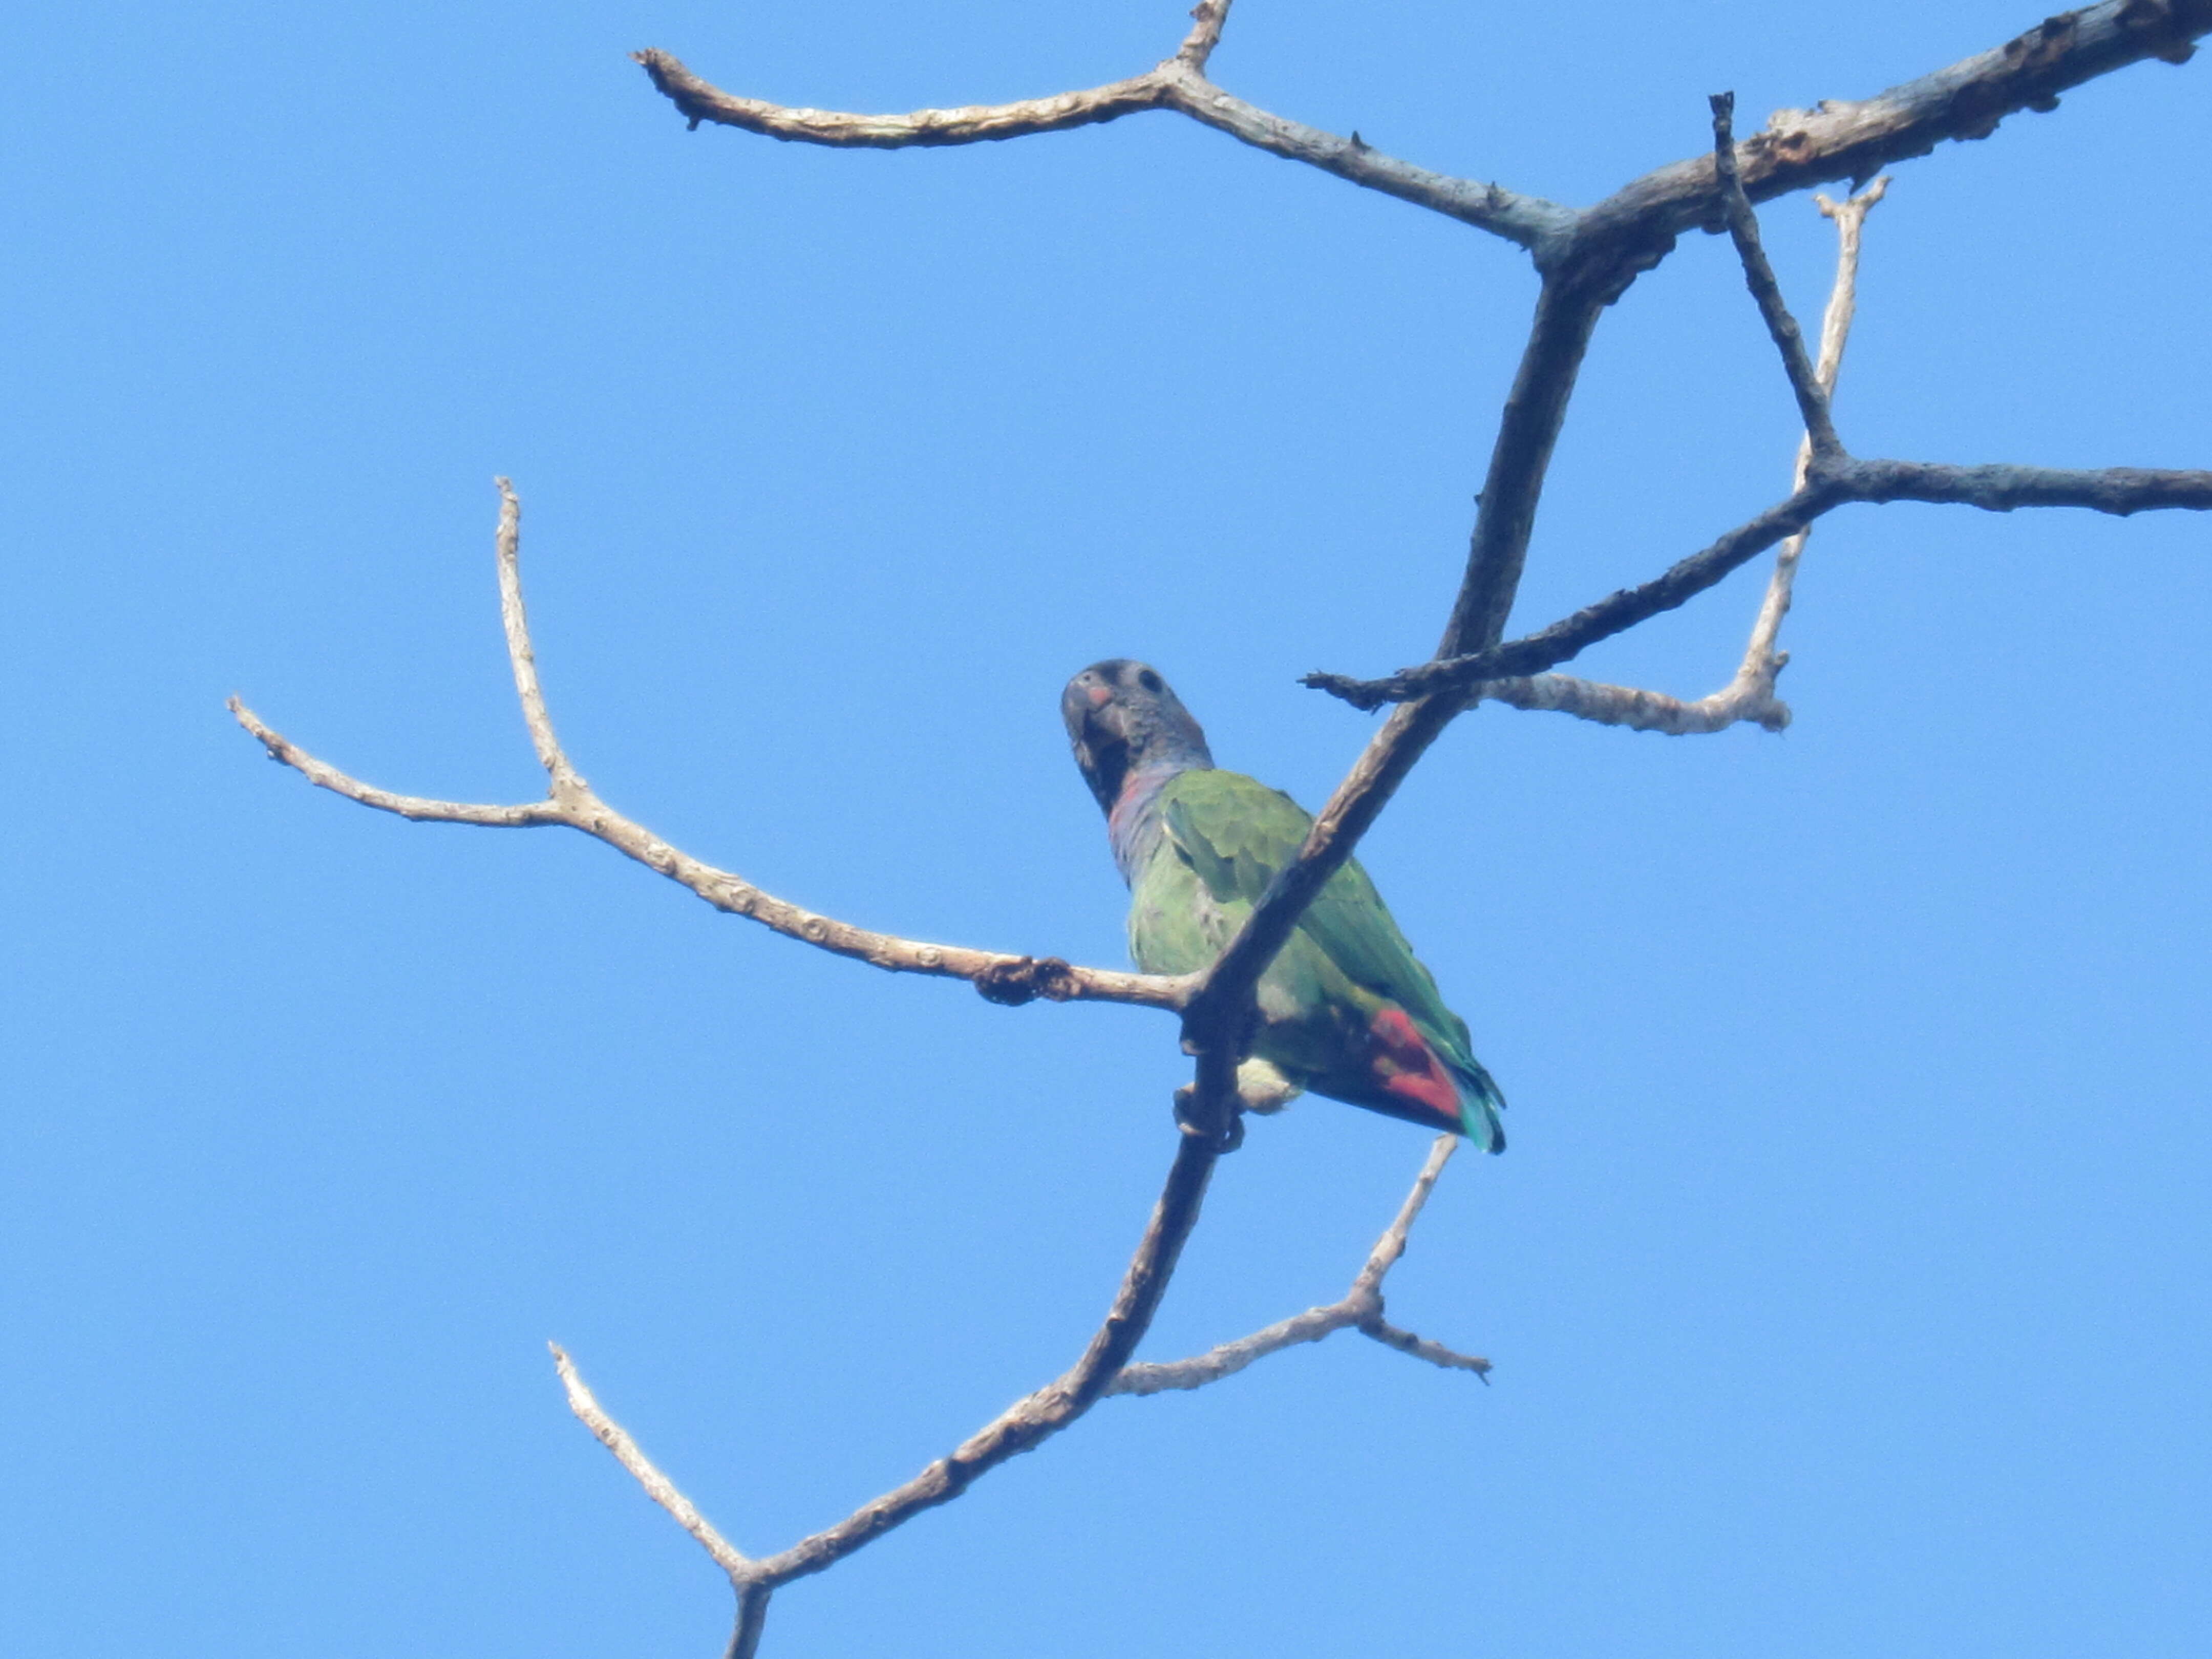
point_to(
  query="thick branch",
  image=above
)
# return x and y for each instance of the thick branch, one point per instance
(1838, 139)
(1359, 1309)
(1528, 429)
(1219, 1014)
(572, 803)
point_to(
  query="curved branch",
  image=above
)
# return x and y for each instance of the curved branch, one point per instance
(573, 804)
(1178, 83)
(698, 101)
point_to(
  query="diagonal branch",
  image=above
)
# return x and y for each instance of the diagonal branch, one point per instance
(642, 1469)
(1359, 1309)
(573, 804)
(1759, 275)
(2119, 489)
(1750, 695)
(1103, 1369)
(1207, 18)
(1023, 1426)
(1838, 138)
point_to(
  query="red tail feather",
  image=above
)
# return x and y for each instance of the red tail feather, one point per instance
(1407, 1068)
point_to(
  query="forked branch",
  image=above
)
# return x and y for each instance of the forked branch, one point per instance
(1103, 1369)
(1359, 1309)
(1750, 695)
(571, 802)
(1176, 83)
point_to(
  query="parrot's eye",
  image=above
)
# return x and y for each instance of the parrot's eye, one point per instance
(1149, 680)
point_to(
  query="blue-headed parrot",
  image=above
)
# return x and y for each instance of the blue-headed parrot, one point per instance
(1346, 1009)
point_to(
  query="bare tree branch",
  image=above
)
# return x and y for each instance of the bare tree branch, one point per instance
(1842, 139)
(1178, 83)
(1023, 1426)
(572, 803)
(1207, 18)
(658, 1487)
(2117, 490)
(1103, 1369)
(1759, 276)
(1587, 260)
(1749, 695)
(1359, 1309)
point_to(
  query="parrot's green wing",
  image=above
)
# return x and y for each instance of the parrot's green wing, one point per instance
(1225, 836)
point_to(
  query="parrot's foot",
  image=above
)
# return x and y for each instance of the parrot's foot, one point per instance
(1226, 1139)
(1263, 1089)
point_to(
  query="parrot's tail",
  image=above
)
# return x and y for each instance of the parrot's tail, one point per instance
(1479, 1104)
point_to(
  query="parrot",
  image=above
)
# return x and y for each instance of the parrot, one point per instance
(1346, 1009)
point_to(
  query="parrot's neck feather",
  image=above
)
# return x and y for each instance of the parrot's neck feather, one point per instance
(1133, 828)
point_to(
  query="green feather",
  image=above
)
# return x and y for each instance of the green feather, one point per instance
(1224, 837)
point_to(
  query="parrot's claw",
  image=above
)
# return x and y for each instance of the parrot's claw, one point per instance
(1229, 1139)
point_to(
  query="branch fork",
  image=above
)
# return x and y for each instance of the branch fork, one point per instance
(1104, 1369)
(571, 802)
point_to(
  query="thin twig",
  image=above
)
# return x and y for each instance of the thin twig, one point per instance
(1359, 1309)
(1759, 276)
(1420, 1347)
(573, 804)
(522, 656)
(1207, 18)
(1752, 689)
(1391, 1249)
(658, 1487)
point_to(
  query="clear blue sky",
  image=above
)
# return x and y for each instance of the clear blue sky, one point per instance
(1846, 1278)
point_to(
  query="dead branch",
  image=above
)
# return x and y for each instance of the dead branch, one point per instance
(1023, 1426)
(1759, 276)
(1749, 695)
(2117, 490)
(1359, 1309)
(1838, 138)
(1586, 258)
(1104, 1369)
(1176, 83)
(571, 802)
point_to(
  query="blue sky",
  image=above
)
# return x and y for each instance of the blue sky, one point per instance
(1846, 1280)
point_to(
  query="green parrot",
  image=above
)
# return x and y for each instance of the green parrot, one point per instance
(1346, 1009)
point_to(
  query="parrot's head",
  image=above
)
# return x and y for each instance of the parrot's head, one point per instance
(1122, 719)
